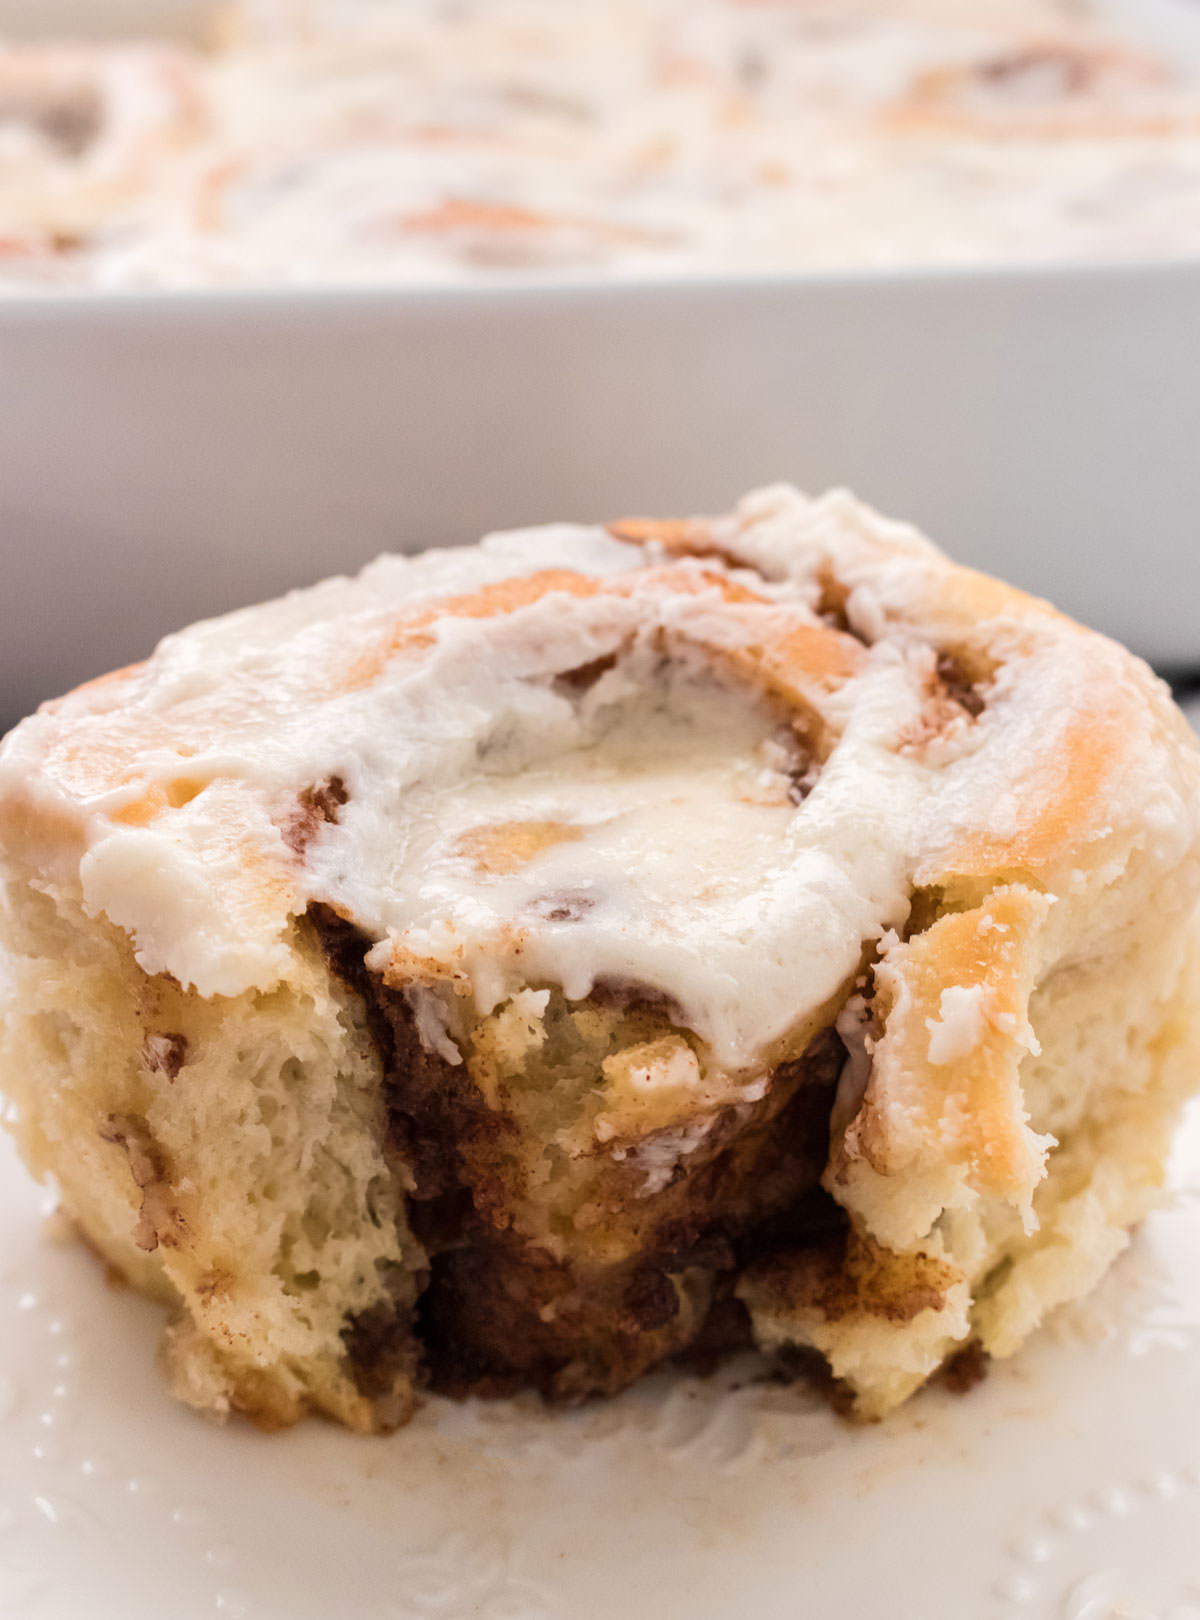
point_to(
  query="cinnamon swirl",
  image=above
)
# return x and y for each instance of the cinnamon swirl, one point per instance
(522, 964)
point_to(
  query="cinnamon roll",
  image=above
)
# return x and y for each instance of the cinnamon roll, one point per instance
(366, 142)
(524, 964)
(86, 133)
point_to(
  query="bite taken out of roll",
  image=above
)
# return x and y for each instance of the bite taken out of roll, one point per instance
(522, 964)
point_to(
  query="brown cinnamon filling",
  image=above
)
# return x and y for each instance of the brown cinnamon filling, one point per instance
(647, 1275)
(69, 116)
(1050, 71)
(966, 1370)
(165, 1054)
(957, 686)
(157, 1216)
(316, 807)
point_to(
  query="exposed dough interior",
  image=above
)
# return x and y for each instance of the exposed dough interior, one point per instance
(524, 964)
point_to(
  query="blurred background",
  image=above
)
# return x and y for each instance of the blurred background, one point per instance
(328, 277)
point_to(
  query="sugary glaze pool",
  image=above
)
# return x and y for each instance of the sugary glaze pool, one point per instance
(362, 141)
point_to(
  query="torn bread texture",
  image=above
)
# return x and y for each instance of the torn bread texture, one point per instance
(524, 964)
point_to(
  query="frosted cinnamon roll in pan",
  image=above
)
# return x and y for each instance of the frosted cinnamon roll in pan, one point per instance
(525, 964)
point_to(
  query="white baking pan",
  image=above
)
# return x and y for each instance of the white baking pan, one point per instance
(168, 456)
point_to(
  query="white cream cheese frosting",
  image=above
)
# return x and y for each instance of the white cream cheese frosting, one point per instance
(565, 759)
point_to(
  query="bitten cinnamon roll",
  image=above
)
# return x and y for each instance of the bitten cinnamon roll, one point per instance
(524, 964)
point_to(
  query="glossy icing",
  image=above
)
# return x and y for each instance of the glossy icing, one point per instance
(569, 760)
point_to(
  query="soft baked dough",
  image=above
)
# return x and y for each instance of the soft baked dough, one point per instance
(525, 963)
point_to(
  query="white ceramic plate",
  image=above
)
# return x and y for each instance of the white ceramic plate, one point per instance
(166, 458)
(1066, 1487)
